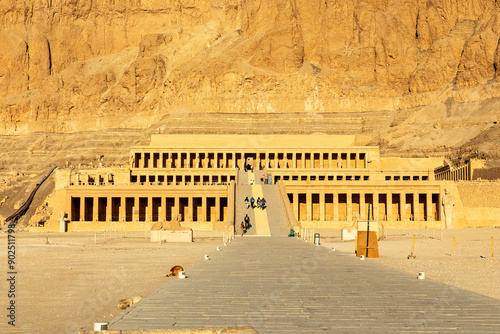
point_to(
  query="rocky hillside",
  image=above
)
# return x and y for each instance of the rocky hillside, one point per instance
(416, 75)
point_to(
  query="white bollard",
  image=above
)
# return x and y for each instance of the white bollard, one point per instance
(100, 326)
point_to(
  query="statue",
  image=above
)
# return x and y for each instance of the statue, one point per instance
(448, 204)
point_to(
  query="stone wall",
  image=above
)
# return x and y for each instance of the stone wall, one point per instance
(479, 194)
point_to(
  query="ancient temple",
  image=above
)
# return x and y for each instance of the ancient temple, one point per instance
(326, 179)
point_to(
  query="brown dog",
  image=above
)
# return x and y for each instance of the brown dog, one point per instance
(174, 271)
(126, 303)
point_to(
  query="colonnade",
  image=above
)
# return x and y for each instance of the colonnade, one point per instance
(259, 160)
(343, 205)
(149, 208)
(462, 173)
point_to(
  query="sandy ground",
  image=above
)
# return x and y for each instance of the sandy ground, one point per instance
(70, 283)
(471, 267)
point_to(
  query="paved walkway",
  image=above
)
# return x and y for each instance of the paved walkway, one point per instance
(283, 285)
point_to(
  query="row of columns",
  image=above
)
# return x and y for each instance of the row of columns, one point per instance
(232, 159)
(431, 211)
(182, 178)
(174, 204)
(458, 174)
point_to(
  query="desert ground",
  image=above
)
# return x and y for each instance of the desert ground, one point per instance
(65, 282)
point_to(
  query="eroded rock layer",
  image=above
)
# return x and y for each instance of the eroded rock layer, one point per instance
(433, 65)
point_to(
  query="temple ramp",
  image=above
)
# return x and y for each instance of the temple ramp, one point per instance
(261, 220)
(276, 214)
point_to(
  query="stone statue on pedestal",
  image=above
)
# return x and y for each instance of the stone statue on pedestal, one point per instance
(448, 203)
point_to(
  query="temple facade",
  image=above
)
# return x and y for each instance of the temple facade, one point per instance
(328, 181)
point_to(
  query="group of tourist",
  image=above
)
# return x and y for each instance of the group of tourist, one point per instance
(260, 203)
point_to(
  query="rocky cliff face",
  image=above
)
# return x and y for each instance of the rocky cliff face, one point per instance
(71, 65)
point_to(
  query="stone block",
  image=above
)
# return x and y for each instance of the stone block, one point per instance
(348, 234)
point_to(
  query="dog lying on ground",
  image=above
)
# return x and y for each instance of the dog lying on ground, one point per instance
(126, 303)
(174, 271)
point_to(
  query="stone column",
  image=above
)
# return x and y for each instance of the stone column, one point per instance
(95, 213)
(162, 210)
(309, 206)
(203, 217)
(416, 209)
(402, 206)
(349, 206)
(362, 207)
(330, 160)
(267, 160)
(389, 206)
(322, 206)
(82, 208)
(321, 160)
(303, 159)
(295, 205)
(428, 206)
(243, 162)
(217, 208)
(109, 204)
(189, 216)
(357, 160)
(348, 162)
(149, 210)
(135, 211)
(335, 206)
(176, 209)
(294, 160)
(339, 160)
(375, 208)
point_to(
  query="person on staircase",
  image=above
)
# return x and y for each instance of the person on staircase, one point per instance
(247, 222)
(263, 203)
(242, 227)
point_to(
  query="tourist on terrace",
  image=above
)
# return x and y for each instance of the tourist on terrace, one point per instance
(252, 202)
(258, 202)
(262, 203)
(247, 205)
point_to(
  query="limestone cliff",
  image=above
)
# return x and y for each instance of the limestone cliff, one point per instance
(431, 65)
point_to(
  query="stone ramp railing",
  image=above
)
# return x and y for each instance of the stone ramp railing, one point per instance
(292, 220)
(276, 210)
(22, 210)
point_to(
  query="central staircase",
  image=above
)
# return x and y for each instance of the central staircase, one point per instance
(271, 221)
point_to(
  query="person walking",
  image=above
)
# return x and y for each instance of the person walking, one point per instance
(258, 202)
(243, 230)
(247, 205)
(263, 203)
(247, 222)
(252, 202)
